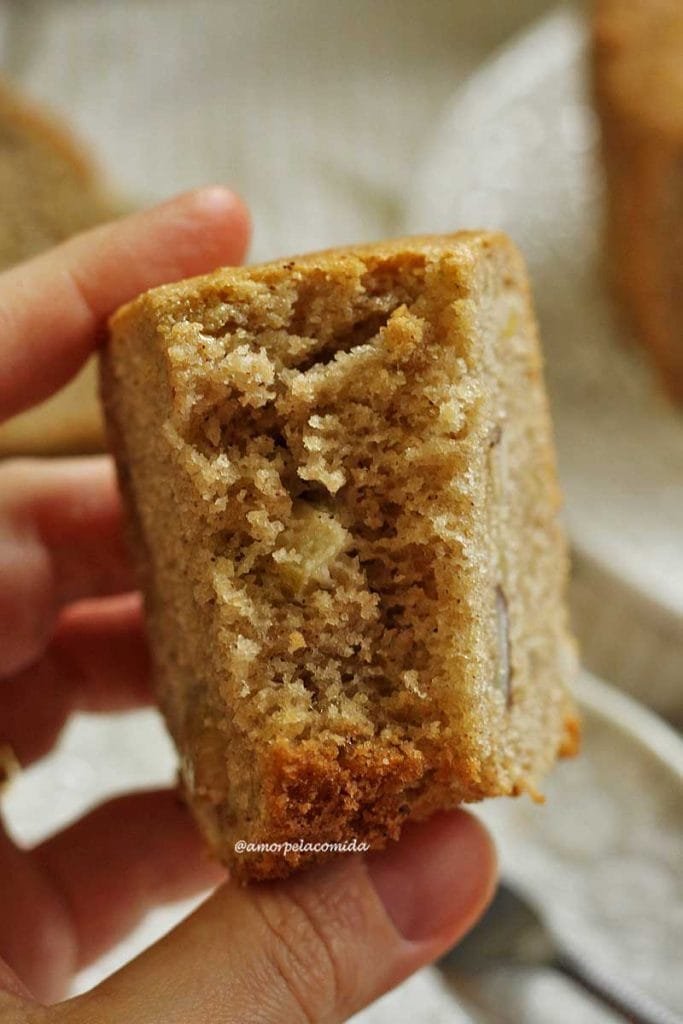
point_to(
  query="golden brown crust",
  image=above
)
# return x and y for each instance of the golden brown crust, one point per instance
(169, 300)
(317, 796)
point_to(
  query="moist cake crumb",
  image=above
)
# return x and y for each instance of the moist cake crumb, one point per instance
(341, 487)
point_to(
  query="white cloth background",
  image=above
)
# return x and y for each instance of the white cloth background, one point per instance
(315, 111)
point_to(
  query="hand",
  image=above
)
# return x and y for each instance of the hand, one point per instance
(315, 948)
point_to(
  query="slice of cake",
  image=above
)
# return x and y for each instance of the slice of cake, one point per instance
(48, 191)
(340, 479)
(638, 76)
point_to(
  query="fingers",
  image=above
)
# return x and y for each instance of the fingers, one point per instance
(101, 646)
(317, 947)
(97, 661)
(52, 308)
(72, 507)
(68, 900)
(60, 539)
(37, 941)
(108, 870)
(12, 990)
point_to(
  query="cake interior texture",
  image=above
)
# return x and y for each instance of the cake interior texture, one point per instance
(340, 477)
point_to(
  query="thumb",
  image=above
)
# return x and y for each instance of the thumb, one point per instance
(315, 948)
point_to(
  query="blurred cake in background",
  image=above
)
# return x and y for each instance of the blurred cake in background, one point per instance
(638, 82)
(49, 189)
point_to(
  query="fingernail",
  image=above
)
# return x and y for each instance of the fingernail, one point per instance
(438, 878)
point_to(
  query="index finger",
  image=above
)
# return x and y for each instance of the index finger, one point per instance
(52, 307)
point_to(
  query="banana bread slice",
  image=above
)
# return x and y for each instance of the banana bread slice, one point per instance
(340, 478)
(638, 84)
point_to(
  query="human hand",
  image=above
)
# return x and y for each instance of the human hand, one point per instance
(317, 947)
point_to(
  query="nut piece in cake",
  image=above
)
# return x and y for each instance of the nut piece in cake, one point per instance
(341, 487)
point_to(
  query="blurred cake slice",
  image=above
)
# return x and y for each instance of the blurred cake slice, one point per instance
(48, 191)
(341, 486)
(638, 84)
